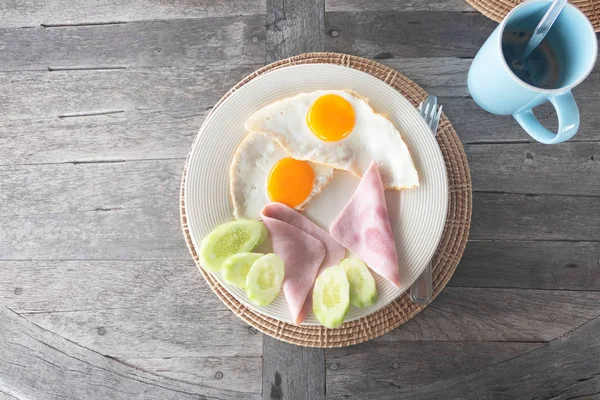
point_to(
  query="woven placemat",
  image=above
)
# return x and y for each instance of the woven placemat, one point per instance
(497, 9)
(447, 254)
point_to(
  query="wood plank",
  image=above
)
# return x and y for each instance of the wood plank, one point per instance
(530, 265)
(223, 373)
(113, 234)
(53, 12)
(237, 40)
(442, 76)
(75, 94)
(476, 126)
(488, 314)
(376, 368)
(292, 372)
(534, 217)
(108, 187)
(127, 135)
(36, 363)
(567, 368)
(145, 309)
(397, 5)
(294, 27)
(534, 168)
(395, 34)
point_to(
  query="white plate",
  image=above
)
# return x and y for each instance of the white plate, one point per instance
(417, 215)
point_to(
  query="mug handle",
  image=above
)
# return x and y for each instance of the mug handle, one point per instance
(568, 120)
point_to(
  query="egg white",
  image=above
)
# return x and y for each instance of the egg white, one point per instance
(374, 137)
(250, 168)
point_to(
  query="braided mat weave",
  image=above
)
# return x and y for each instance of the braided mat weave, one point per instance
(497, 9)
(447, 255)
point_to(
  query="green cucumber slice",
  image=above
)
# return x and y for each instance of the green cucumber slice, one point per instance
(363, 291)
(228, 239)
(331, 297)
(235, 268)
(264, 279)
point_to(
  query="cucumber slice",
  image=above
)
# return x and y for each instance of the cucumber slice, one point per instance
(264, 279)
(235, 268)
(331, 297)
(228, 239)
(363, 291)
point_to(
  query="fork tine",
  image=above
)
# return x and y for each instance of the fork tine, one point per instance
(437, 120)
(431, 117)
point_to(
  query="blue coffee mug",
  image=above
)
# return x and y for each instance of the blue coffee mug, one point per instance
(497, 89)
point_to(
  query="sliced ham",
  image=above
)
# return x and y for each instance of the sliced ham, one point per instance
(302, 255)
(363, 226)
(334, 251)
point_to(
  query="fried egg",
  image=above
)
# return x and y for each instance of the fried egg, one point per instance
(337, 128)
(262, 172)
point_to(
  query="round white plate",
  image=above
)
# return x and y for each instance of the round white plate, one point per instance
(417, 215)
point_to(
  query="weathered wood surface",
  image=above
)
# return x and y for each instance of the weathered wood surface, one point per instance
(566, 368)
(398, 5)
(51, 13)
(96, 119)
(38, 364)
(292, 372)
(152, 44)
(531, 265)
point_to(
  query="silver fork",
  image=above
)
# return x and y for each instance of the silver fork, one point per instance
(421, 290)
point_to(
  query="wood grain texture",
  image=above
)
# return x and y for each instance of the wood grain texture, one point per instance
(535, 217)
(294, 27)
(38, 364)
(223, 373)
(490, 314)
(567, 368)
(397, 5)
(127, 135)
(292, 372)
(54, 12)
(397, 34)
(239, 40)
(568, 169)
(149, 314)
(75, 94)
(376, 367)
(475, 126)
(530, 265)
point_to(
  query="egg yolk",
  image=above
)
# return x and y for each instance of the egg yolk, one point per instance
(330, 117)
(290, 182)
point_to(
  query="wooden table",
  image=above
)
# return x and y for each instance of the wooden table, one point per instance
(99, 103)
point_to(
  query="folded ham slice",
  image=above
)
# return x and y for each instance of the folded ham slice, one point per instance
(334, 253)
(363, 226)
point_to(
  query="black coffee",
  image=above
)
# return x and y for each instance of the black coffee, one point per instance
(540, 69)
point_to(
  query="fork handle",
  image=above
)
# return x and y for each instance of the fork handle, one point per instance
(421, 290)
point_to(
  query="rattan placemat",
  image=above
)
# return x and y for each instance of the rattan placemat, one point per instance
(447, 254)
(497, 9)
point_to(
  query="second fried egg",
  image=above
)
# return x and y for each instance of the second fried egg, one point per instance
(262, 172)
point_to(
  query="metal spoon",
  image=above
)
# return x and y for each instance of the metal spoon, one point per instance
(544, 26)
